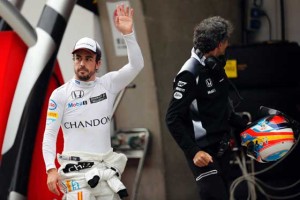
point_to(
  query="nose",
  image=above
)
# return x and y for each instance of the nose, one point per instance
(82, 62)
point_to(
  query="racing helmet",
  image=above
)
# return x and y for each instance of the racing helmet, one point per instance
(268, 139)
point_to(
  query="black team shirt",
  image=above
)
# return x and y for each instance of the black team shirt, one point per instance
(208, 91)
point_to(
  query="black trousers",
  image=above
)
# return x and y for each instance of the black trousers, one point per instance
(212, 180)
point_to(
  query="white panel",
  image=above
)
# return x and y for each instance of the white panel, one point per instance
(118, 40)
(31, 70)
(32, 10)
(64, 9)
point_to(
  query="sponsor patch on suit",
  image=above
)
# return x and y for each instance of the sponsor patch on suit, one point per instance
(99, 98)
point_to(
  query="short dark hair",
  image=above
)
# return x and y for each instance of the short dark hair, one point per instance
(98, 56)
(210, 32)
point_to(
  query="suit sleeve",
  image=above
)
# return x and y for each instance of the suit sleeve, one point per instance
(178, 118)
(117, 80)
(53, 120)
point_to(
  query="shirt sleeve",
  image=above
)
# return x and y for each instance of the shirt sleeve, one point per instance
(53, 120)
(178, 118)
(117, 80)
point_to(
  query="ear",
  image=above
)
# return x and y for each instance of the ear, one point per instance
(98, 64)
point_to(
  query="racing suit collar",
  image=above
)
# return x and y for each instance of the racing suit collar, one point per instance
(83, 83)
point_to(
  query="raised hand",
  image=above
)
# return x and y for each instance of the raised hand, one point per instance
(123, 18)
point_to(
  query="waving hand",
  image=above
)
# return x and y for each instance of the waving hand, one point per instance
(123, 18)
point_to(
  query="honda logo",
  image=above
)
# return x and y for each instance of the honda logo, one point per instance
(209, 82)
(77, 94)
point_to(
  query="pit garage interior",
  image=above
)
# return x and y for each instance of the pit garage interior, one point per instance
(264, 51)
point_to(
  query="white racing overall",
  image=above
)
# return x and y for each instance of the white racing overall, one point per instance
(83, 110)
(92, 176)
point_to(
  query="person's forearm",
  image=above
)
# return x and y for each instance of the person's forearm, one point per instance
(49, 148)
(181, 136)
(135, 56)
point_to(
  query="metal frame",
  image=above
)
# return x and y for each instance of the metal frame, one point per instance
(138, 153)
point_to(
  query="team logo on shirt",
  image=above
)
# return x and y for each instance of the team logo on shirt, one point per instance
(77, 82)
(51, 114)
(96, 99)
(52, 105)
(180, 89)
(181, 83)
(77, 104)
(177, 95)
(77, 94)
(211, 91)
(51, 117)
(87, 123)
(209, 82)
(70, 185)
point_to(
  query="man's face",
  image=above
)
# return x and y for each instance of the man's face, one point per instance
(85, 65)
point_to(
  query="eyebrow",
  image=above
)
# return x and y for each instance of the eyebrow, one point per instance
(87, 56)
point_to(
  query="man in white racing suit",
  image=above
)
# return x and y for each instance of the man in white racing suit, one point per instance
(82, 107)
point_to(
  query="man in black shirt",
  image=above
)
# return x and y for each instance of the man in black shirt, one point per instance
(199, 113)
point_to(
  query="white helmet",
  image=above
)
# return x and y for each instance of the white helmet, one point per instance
(268, 139)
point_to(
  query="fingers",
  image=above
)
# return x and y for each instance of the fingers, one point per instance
(122, 11)
(127, 11)
(52, 181)
(123, 19)
(201, 162)
(131, 12)
(116, 19)
(202, 159)
(53, 188)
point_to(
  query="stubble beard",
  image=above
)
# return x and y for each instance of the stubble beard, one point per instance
(85, 77)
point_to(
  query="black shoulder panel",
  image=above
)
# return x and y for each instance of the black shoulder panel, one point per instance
(193, 66)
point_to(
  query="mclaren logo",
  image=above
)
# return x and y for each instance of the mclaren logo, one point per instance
(77, 94)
